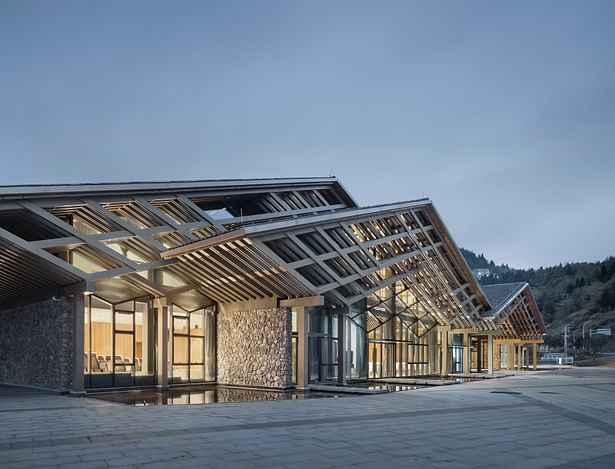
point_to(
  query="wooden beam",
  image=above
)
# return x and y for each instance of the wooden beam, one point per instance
(204, 244)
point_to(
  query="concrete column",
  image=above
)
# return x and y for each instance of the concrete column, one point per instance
(479, 355)
(163, 343)
(466, 352)
(341, 346)
(534, 355)
(520, 357)
(445, 358)
(490, 354)
(302, 348)
(77, 388)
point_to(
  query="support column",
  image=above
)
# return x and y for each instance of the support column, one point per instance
(445, 358)
(520, 357)
(479, 355)
(302, 348)
(77, 387)
(490, 354)
(534, 355)
(341, 346)
(466, 352)
(511, 357)
(163, 343)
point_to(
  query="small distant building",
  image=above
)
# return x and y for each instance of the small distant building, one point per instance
(480, 273)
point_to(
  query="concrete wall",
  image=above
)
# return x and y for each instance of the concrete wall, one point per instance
(36, 345)
(254, 347)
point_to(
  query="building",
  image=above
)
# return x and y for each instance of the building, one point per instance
(480, 273)
(268, 282)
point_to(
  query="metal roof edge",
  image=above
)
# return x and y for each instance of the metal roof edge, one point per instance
(509, 298)
(55, 190)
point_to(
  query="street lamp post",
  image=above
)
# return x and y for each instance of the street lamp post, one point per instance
(586, 322)
(565, 331)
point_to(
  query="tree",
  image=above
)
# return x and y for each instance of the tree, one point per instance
(607, 298)
(547, 311)
(554, 341)
(596, 342)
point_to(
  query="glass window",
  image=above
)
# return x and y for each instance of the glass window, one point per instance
(193, 344)
(120, 343)
(128, 252)
(145, 340)
(322, 345)
(86, 342)
(101, 343)
(85, 263)
(196, 323)
(197, 373)
(123, 350)
(84, 226)
(123, 321)
(180, 325)
(180, 373)
(196, 350)
(180, 349)
(294, 344)
(210, 345)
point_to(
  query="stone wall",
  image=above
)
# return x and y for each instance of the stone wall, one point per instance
(36, 345)
(254, 347)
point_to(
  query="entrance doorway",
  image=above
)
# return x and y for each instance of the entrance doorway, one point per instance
(119, 343)
(192, 345)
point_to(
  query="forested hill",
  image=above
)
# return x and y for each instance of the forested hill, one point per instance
(571, 293)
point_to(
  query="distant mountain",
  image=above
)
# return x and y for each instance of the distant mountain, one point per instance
(570, 293)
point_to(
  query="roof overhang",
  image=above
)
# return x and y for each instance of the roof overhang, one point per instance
(240, 264)
(517, 316)
(55, 191)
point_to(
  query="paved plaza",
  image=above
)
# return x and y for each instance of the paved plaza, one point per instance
(559, 418)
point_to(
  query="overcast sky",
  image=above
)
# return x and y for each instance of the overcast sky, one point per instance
(503, 113)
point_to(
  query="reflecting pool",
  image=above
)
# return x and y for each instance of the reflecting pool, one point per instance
(206, 394)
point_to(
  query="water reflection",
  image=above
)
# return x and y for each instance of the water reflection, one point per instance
(394, 387)
(207, 394)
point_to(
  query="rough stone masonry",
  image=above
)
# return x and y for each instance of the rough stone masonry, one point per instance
(254, 347)
(36, 345)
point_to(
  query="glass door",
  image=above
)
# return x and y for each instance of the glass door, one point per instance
(192, 348)
(322, 345)
(124, 344)
(119, 343)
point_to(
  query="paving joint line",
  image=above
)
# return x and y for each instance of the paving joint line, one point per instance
(571, 414)
(244, 426)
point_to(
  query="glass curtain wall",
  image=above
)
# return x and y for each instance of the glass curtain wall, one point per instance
(294, 345)
(119, 343)
(191, 345)
(401, 337)
(457, 355)
(479, 354)
(356, 342)
(503, 355)
(322, 345)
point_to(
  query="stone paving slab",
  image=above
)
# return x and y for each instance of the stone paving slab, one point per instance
(560, 418)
